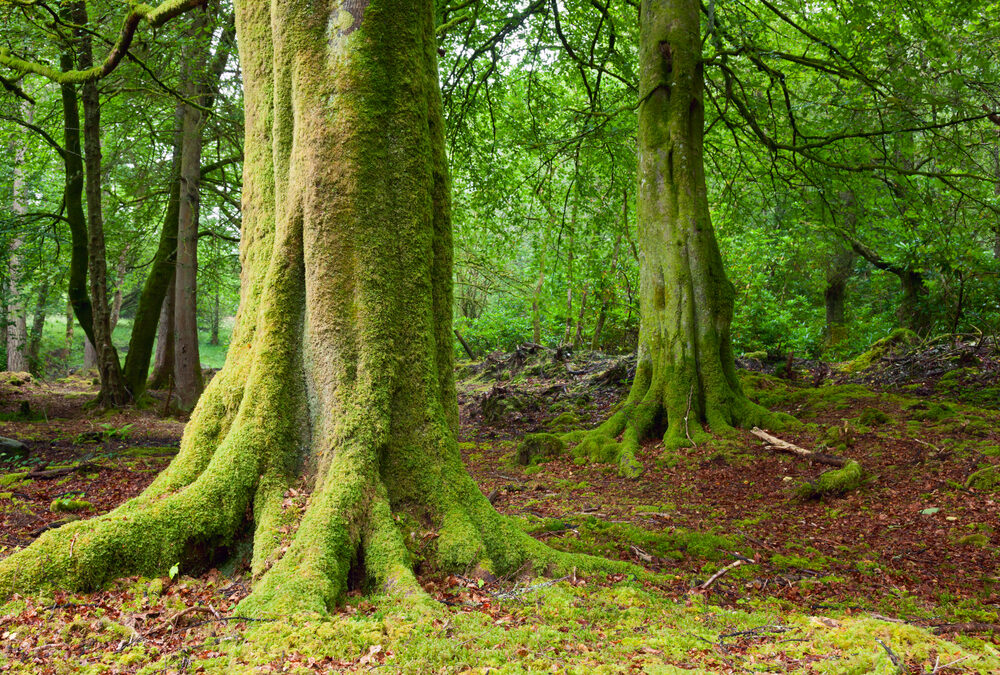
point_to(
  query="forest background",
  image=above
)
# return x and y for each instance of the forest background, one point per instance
(883, 214)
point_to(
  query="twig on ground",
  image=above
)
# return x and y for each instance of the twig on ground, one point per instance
(896, 661)
(969, 627)
(775, 443)
(938, 666)
(725, 570)
(775, 628)
(687, 413)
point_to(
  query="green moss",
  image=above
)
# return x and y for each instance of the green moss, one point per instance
(597, 448)
(536, 447)
(987, 480)
(833, 482)
(564, 422)
(602, 538)
(68, 505)
(873, 417)
(980, 540)
(152, 451)
(932, 412)
(897, 340)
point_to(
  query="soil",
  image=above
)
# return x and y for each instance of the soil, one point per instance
(912, 543)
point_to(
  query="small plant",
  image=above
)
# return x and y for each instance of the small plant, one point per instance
(111, 432)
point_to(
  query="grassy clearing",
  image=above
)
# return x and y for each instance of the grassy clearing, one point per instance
(54, 340)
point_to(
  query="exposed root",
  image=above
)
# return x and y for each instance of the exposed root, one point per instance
(688, 419)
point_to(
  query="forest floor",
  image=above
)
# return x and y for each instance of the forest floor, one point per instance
(899, 575)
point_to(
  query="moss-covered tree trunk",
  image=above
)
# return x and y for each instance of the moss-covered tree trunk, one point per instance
(839, 268)
(152, 301)
(339, 375)
(163, 364)
(685, 374)
(79, 297)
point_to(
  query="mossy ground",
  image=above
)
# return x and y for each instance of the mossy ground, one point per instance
(911, 543)
(597, 625)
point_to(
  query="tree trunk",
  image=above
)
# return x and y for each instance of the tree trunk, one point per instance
(213, 338)
(163, 364)
(116, 303)
(79, 298)
(602, 314)
(536, 303)
(89, 354)
(38, 328)
(17, 359)
(69, 329)
(340, 369)
(838, 271)
(187, 361)
(569, 275)
(578, 337)
(158, 290)
(114, 393)
(685, 372)
(913, 310)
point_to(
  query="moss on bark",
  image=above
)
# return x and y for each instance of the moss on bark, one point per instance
(685, 376)
(338, 381)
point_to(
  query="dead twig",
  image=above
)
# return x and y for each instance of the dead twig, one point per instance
(687, 413)
(725, 570)
(938, 666)
(775, 443)
(896, 661)
(969, 627)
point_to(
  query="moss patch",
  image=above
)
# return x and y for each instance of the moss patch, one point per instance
(833, 482)
(536, 447)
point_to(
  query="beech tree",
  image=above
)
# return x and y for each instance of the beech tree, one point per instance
(686, 372)
(339, 375)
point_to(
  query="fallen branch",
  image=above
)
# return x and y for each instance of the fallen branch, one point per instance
(725, 570)
(40, 473)
(970, 627)
(938, 666)
(775, 443)
(192, 610)
(896, 661)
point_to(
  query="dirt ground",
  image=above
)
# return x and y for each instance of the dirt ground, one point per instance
(913, 543)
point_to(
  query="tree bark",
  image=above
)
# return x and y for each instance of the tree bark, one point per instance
(340, 369)
(69, 329)
(113, 393)
(116, 303)
(213, 338)
(79, 297)
(838, 272)
(536, 302)
(158, 287)
(17, 329)
(685, 371)
(187, 361)
(605, 287)
(578, 336)
(37, 328)
(163, 364)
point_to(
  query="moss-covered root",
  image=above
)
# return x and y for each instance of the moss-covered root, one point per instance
(834, 482)
(652, 402)
(987, 480)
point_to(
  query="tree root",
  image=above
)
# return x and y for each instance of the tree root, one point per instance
(650, 403)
